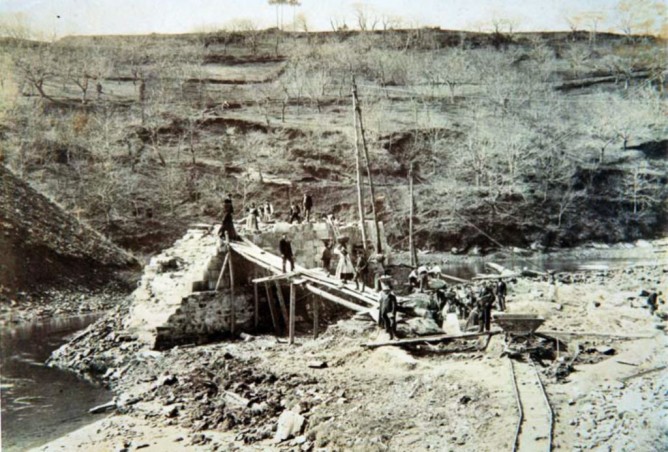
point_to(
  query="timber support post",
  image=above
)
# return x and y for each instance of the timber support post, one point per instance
(411, 242)
(281, 302)
(358, 169)
(256, 308)
(358, 113)
(292, 314)
(272, 310)
(316, 315)
(233, 313)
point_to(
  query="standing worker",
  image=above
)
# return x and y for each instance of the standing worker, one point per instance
(228, 222)
(387, 315)
(285, 248)
(378, 268)
(423, 276)
(361, 270)
(327, 257)
(344, 269)
(294, 214)
(485, 301)
(253, 215)
(501, 291)
(307, 205)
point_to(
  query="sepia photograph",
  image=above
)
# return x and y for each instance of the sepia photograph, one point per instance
(333, 225)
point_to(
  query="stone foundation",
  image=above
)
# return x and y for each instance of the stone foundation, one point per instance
(203, 317)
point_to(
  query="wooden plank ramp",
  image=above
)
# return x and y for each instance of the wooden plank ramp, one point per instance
(316, 278)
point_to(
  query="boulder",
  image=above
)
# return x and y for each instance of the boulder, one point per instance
(289, 425)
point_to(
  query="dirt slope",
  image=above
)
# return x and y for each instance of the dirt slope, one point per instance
(41, 244)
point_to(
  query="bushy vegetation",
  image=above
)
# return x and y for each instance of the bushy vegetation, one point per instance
(516, 138)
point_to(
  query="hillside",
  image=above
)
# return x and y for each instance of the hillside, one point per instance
(41, 244)
(547, 138)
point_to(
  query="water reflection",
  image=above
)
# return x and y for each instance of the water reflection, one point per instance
(41, 403)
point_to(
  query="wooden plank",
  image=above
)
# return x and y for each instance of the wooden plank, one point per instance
(454, 278)
(276, 277)
(370, 297)
(644, 372)
(251, 251)
(281, 303)
(335, 299)
(610, 335)
(293, 297)
(434, 338)
(274, 319)
(484, 276)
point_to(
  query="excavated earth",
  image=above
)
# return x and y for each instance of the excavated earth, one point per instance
(50, 262)
(607, 388)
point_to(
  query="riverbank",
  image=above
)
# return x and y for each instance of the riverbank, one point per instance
(25, 307)
(646, 251)
(339, 395)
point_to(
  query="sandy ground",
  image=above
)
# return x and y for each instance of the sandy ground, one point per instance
(390, 398)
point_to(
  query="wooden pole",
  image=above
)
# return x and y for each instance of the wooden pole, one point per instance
(256, 309)
(292, 314)
(222, 270)
(372, 194)
(316, 315)
(274, 317)
(360, 193)
(281, 302)
(233, 313)
(411, 242)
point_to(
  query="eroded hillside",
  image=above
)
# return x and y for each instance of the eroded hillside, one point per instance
(552, 138)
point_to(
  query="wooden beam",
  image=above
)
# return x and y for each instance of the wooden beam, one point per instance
(316, 315)
(274, 319)
(434, 338)
(644, 372)
(276, 277)
(411, 243)
(454, 278)
(233, 308)
(335, 299)
(358, 169)
(256, 308)
(367, 163)
(222, 270)
(610, 335)
(281, 303)
(484, 276)
(293, 297)
(369, 296)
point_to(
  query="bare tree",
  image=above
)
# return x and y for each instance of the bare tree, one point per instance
(641, 16)
(366, 19)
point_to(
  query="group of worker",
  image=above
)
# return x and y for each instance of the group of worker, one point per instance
(263, 212)
(473, 303)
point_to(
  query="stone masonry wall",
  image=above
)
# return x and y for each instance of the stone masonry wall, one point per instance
(204, 317)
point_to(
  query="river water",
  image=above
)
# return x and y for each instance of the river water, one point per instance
(39, 403)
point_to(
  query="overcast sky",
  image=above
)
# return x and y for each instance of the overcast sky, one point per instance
(64, 17)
